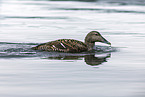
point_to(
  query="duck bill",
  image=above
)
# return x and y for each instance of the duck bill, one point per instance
(105, 41)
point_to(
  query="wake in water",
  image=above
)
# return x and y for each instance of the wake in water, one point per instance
(12, 50)
(18, 50)
(23, 50)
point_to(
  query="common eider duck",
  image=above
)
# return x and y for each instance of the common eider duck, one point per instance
(73, 46)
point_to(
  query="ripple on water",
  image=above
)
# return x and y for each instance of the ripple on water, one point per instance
(103, 10)
(12, 50)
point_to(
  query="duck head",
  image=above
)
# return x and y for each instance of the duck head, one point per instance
(93, 37)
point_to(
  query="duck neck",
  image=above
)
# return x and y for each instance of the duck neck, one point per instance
(90, 45)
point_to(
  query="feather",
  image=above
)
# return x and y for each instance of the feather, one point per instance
(71, 45)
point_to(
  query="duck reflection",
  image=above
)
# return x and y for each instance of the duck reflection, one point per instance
(92, 60)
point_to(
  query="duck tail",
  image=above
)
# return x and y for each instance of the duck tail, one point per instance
(34, 48)
(37, 47)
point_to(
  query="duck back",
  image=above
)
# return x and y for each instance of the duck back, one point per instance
(63, 45)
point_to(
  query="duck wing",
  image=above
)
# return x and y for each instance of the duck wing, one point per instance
(63, 45)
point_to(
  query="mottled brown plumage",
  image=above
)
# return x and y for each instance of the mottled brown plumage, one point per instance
(71, 45)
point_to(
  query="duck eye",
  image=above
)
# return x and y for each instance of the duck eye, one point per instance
(96, 34)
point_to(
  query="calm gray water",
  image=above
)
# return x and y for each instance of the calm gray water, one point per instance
(116, 71)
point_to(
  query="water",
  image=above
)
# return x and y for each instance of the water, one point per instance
(116, 71)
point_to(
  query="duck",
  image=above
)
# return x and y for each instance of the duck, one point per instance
(72, 45)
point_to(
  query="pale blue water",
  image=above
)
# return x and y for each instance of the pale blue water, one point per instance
(116, 71)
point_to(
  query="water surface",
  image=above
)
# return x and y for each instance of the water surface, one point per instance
(116, 71)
